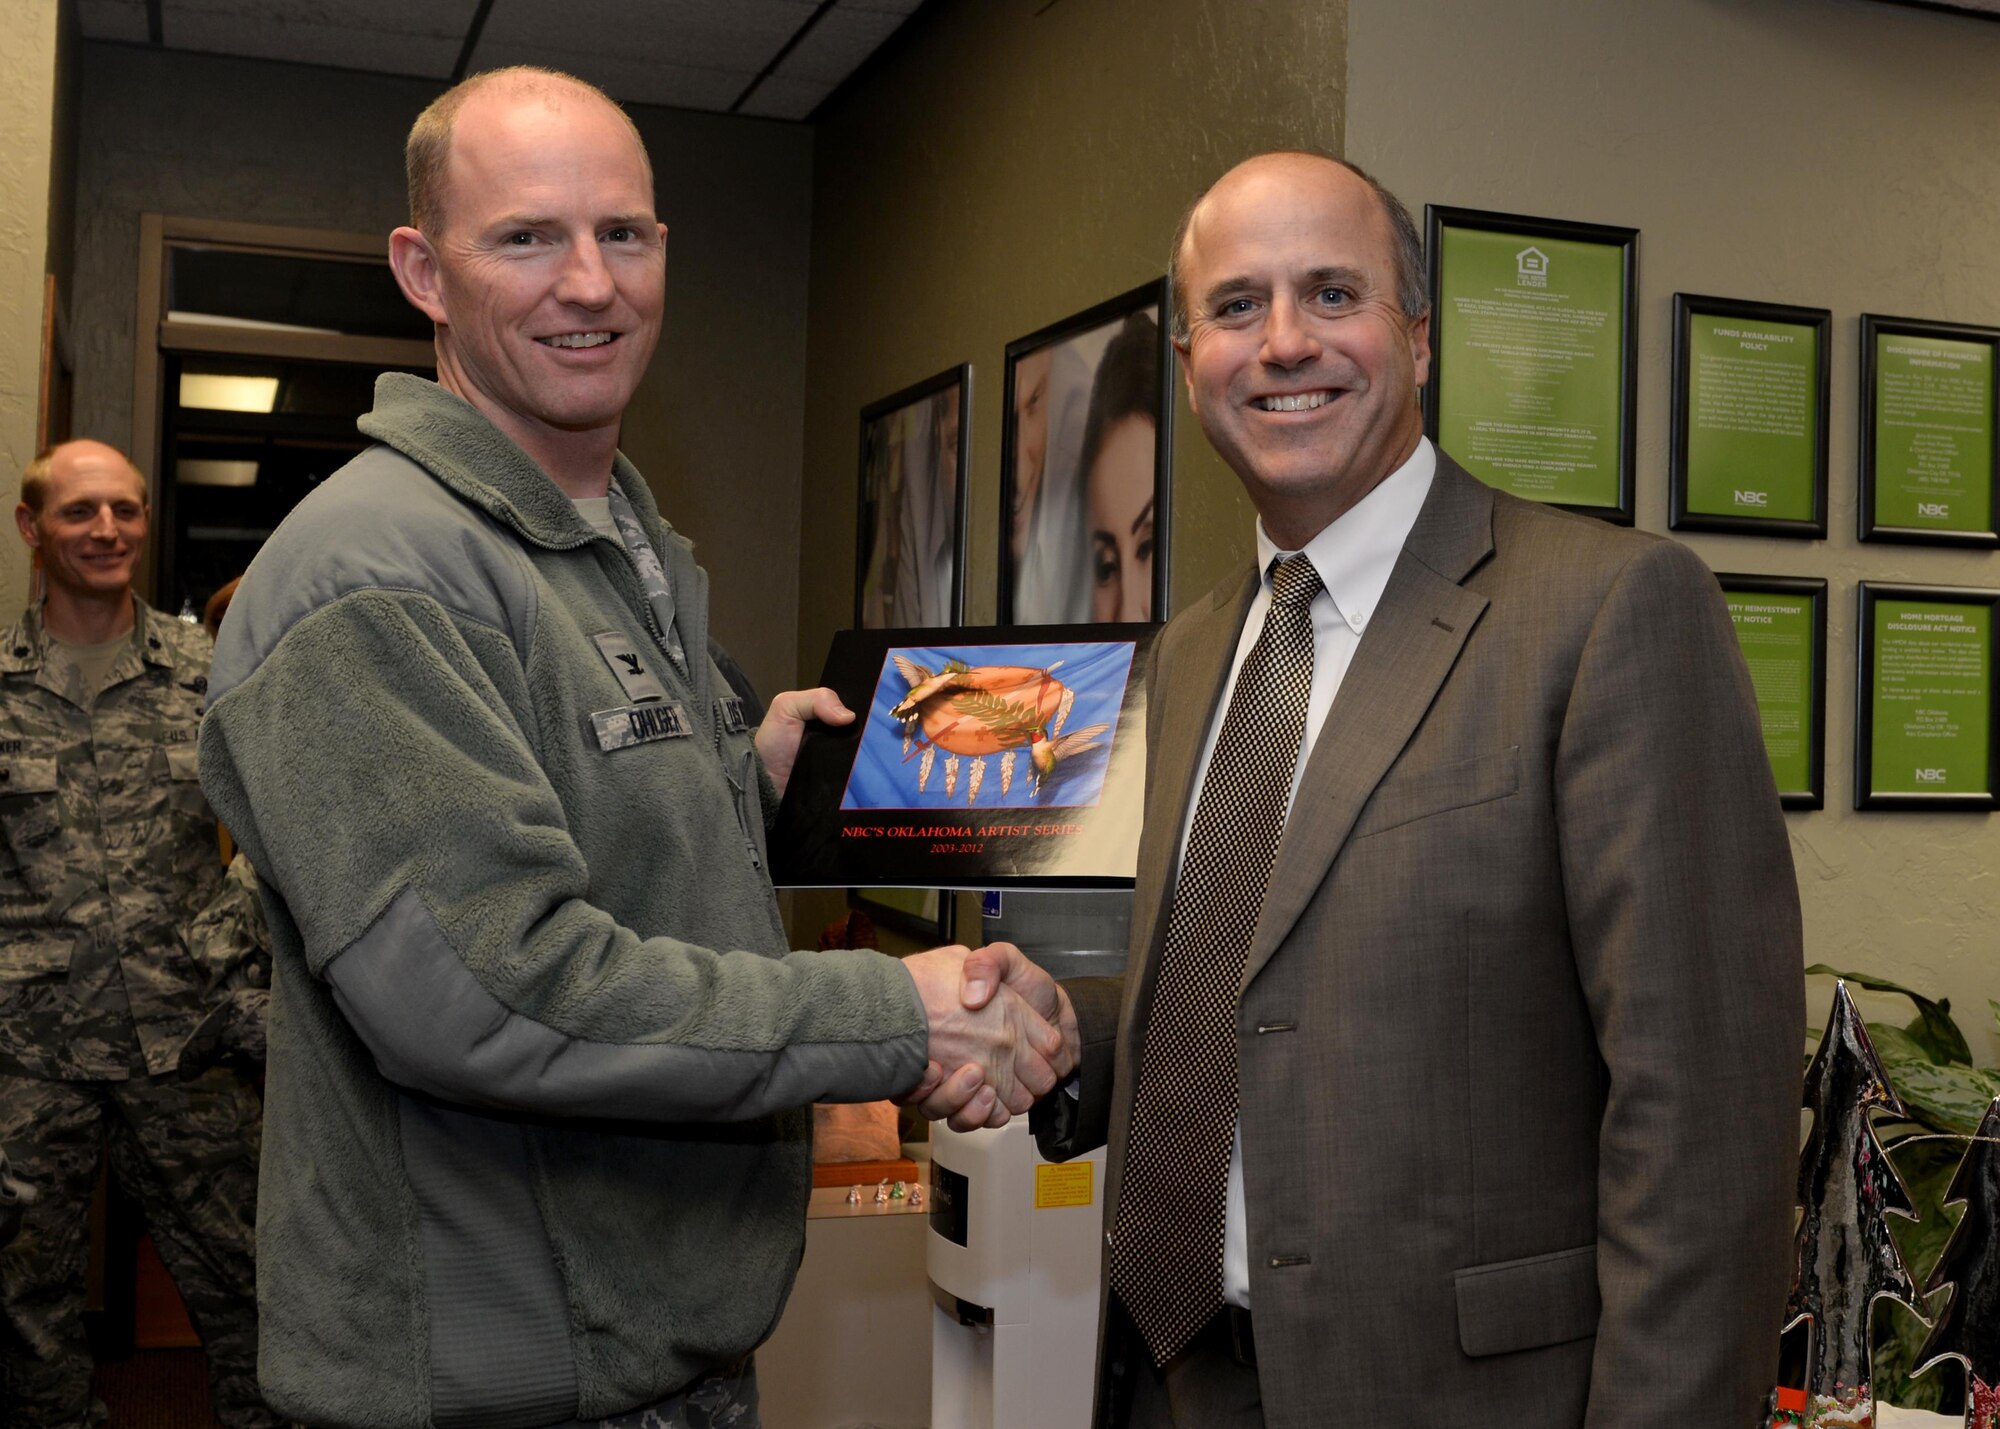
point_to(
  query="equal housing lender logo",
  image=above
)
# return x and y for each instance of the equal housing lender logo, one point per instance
(1531, 268)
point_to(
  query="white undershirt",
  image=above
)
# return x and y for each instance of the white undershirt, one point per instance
(1353, 556)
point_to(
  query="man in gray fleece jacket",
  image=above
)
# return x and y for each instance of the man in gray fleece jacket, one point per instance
(536, 1147)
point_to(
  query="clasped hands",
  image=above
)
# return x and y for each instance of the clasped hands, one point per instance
(1002, 1035)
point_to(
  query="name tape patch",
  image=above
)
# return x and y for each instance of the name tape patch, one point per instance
(639, 724)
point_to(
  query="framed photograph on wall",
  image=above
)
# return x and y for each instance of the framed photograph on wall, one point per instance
(1926, 735)
(1930, 466)
(1747, 448)
(1086, 458)
(909, 566)
(1533, 356)
(1781, 626)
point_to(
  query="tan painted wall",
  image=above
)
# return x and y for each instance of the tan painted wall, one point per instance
(28, 41)
(1832, 153)
(716, 426)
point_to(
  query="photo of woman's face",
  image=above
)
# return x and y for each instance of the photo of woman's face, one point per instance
(1120, 507)
(1031, 440)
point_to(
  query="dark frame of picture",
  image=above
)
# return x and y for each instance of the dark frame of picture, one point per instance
(1680, 516)
(1873, 326)
(932, 932)
(1437, 218)
(1154, 295)
(1813, 796)
(867, 503)
(1866, 796)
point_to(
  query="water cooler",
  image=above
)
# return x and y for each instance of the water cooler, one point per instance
(1015, 1243)
(1014, 1261)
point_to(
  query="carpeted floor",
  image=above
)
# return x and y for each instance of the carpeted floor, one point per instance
(156, 1389)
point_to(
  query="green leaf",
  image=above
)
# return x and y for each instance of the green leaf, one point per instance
(1943, 1098)
(1934, 1028)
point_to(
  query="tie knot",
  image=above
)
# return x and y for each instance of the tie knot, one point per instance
(1294, 581)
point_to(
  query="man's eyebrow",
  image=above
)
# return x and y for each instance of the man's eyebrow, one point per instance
(1336, 273)
(1229, 288)
(1145, 516)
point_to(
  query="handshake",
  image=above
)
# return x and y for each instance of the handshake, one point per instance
(1002, 1035)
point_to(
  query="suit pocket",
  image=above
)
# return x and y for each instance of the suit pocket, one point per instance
(1421, 793)
(1528, 1303)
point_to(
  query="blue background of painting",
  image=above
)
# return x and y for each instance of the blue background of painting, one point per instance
(880, 779)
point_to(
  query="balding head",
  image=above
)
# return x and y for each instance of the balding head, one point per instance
(65, 457)
(1407, 245)
(427, 151)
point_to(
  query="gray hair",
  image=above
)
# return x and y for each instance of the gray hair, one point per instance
(1412, 278)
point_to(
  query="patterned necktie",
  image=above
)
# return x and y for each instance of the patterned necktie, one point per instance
(1166, 1248)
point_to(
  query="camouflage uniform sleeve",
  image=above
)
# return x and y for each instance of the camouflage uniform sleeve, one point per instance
(14, 1198)
(230, 945)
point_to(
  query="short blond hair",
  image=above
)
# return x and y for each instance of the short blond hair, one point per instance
(35, 479)
(427, 152)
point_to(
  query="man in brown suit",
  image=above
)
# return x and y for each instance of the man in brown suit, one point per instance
(1510, 1112)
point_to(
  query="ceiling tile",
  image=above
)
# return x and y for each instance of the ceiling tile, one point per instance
(387, 36)
(629, 78)
(780, 98)
(834, 47)
(736, 35)
(113, 20)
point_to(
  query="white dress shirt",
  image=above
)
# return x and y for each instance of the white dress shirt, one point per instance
(1353, 556)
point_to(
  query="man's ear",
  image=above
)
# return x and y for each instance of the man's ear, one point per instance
(1187, 370)
(1420, 347)
(25, 519)
(415, 265)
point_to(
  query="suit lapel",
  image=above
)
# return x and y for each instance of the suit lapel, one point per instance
(1411, 645)
(1184, 702)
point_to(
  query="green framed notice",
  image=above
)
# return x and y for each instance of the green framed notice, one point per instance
(1533, 355)
(1930, 465)
(1925, 726)
(1747, 448)
(1780, 624)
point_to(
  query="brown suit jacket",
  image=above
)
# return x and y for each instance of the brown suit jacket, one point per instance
(1519, 1035)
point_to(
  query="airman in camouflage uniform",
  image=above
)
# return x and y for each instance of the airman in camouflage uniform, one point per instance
(107, 855)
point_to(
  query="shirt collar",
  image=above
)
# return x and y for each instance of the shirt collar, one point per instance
(1355, 553)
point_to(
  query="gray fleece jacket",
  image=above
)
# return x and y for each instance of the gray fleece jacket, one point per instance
(535, 1143)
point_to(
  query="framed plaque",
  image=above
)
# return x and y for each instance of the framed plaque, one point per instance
(1086, 457)
(1930, 470)
(909, 566)
(1781, 626)
(990, 757)
(1747, 450)
(1533, 355)
(1924, 719)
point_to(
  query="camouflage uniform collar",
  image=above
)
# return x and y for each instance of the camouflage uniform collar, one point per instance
(450, 438)
(24, 645)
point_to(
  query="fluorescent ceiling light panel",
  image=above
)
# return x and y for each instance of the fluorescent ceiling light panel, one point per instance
(215, 392)
(191, 471)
